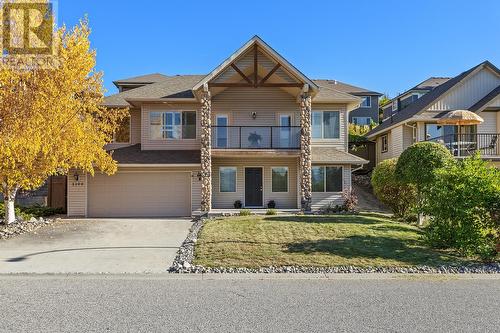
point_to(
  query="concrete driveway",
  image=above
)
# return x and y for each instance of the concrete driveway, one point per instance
(96, 246)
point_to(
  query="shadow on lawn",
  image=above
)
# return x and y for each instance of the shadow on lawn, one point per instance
(373, 247)
(352, 219)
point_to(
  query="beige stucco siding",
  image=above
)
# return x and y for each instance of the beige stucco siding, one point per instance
(283, 200)
(149, 144)
(322, 199)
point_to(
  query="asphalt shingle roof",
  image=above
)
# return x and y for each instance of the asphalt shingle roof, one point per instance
(134, 155)
(426, 100)
(333, 155)
(344, 87)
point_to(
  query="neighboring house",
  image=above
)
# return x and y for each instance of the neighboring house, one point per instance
(255, 129)
(401, 101)
(476, 90)
(368, 110)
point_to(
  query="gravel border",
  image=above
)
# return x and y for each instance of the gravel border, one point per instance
(185, 255)
(20, 226)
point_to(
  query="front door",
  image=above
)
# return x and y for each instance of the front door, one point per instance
(253, 187)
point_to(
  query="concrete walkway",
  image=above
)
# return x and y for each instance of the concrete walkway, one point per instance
(96, 246)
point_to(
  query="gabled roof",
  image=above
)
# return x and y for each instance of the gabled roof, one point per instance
(179, 86)
(426, 100)
(426, 85)
(142, 79)
(485, 100)
(346, 88)
(327, 94)
(333, 155)
(256, 40)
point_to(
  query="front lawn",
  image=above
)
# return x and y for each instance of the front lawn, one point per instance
(339, 240)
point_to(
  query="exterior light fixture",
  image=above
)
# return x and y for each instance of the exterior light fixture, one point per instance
(254, 115)
(76, 176)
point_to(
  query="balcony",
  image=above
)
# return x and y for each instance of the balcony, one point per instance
(463, 145)
(255, 137)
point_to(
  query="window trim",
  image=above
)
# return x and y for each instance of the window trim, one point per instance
(235, 179)
(324, 177)
(222, 115)
(129, 132)
(371, 120)
(173, 111)
(287, 179)
(395, 105)
(323, 125)
(369, 98)
(382, 150)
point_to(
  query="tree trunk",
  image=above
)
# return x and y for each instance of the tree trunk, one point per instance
(10, 213)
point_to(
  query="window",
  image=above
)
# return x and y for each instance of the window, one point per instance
(221, 132)
(285, 130)
(122, 134)
(395, 105)
(325, 124)
(362, 120)
(366, 102)
(279, 177)
(327, 179)
(385, 143)
(173, 125)
(227, 179)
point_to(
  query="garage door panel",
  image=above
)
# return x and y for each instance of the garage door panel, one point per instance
(139, 194)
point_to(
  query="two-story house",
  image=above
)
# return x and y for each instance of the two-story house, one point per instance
(476, 90)
(368, 111)
(254, 130)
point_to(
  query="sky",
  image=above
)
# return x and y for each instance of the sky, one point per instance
(385, 46)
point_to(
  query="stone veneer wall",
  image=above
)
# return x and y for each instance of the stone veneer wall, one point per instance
(305, 152)
(206, 158)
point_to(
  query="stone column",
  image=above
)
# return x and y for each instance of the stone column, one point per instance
(206, 150)
(305, 152)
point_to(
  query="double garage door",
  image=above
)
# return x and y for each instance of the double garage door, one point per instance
(139, 194)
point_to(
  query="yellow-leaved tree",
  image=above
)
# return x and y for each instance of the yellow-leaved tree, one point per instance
(51, 118)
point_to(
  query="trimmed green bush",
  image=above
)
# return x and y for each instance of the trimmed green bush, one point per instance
(465, 208)
(418, 165)
(400, 197)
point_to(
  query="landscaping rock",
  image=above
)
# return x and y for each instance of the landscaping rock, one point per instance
(20, 227)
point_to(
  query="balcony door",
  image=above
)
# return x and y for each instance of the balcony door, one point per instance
(221, 133)
(285, 130)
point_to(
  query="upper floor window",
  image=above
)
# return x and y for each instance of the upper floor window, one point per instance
(326, 124)
(173, 125)
(384, 139)
(366, 102)
(122, 134)
(362, 120)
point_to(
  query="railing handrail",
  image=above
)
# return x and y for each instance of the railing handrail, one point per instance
(265, 126)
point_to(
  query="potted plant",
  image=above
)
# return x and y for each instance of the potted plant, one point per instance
(271, 204)
(238, 204)
(254, 139)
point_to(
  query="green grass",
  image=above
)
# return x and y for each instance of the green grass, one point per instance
(357, 240)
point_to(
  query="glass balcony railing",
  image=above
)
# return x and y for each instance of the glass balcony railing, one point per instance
(255, 137)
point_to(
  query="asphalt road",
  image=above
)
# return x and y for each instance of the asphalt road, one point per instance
(162, 303)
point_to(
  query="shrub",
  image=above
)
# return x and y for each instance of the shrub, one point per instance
(271, 204)
(465, 208)
(331, 208)
(237, 204)
(18, 211)
(350, 201)
(418, 165)
(245, 212)
(398, 196)
(41, 211)
(271, 212)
